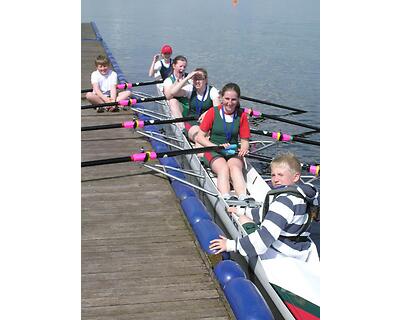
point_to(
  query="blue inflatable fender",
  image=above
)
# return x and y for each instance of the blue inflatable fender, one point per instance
(142, 116)
(206, 231)
(194, 210)
(169, 161)
(246, 301)
(182, 190)
(227, 270)
(158, 146)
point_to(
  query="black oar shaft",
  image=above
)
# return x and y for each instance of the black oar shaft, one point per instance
(306, 141)
(283, 137)
(105, 161)
(137, 123)
(149, 155)
(310, 168)
(103, 126)
(128, 85)
(300, 124)
(123, 102)
(272, 104)
(187, 151)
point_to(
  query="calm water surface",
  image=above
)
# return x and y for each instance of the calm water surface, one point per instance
(269, 47)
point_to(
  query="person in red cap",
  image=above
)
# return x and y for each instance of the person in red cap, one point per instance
(161, 68)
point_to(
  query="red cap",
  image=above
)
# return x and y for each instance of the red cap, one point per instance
(166, 49)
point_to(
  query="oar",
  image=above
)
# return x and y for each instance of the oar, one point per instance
(129, 102)
(255, 113)
(283, 136)
(128, 85)
(151, 155)
(137, 123)
(314, 169)
(298, 111)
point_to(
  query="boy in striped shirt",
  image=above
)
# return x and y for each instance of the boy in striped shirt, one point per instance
(282, 229)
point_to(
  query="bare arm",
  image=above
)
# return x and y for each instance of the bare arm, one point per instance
(176, 89)
(201, 138)
(98, 92)
(151, 70)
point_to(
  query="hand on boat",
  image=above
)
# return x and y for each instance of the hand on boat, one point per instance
(218, 244)
(242, 152)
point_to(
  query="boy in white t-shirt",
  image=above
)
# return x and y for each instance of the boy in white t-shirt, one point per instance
(104, 81)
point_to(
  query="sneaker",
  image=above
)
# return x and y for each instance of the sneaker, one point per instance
(231, 198)
(114, 109)
(247, 199)
(100, 109)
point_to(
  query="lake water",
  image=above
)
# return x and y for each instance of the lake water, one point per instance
(271, 48)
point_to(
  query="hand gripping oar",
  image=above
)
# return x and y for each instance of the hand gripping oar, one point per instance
(314, 169)
(298, 111)
(128, 85)
(151, 155)
(283, 137)
(129, 102)
(137, 123)
(255, 113)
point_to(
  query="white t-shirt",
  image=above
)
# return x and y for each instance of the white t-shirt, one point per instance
(157, 68)
(105, 82)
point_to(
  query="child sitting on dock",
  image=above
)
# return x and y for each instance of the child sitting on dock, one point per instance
(282, 227)
(104, 81)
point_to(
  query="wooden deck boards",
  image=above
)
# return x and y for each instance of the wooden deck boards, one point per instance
(139, 258)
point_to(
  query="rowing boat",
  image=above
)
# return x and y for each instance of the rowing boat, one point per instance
(292, 285)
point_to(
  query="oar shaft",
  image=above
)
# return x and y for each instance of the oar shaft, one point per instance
(102, 126)
(151, 155)
(137, 123)
(105, 161)
(314, 169)
(272, 104)
(300, 124)
(129, 102)
(283, 137)
(128, 85)
(255, 113)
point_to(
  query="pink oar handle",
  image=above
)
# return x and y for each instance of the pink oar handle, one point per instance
(144, 156)
(281, 136)
(123, 86)
(314, 170)
(129, 102)
(133, 124)
(252, 112)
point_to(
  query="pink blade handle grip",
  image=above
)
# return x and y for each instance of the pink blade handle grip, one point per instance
(314, 170)
(122, 86)
(133, 124)
(252, 112)
(129, 102)
(144, 156)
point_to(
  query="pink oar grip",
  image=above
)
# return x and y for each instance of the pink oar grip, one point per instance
(131, 124)
(124, 86)
(142, 156)
(286, 137)
(314, 170)
(127, 102)
(252, 112)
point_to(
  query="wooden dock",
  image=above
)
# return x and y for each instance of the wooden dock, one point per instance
(139, 257)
